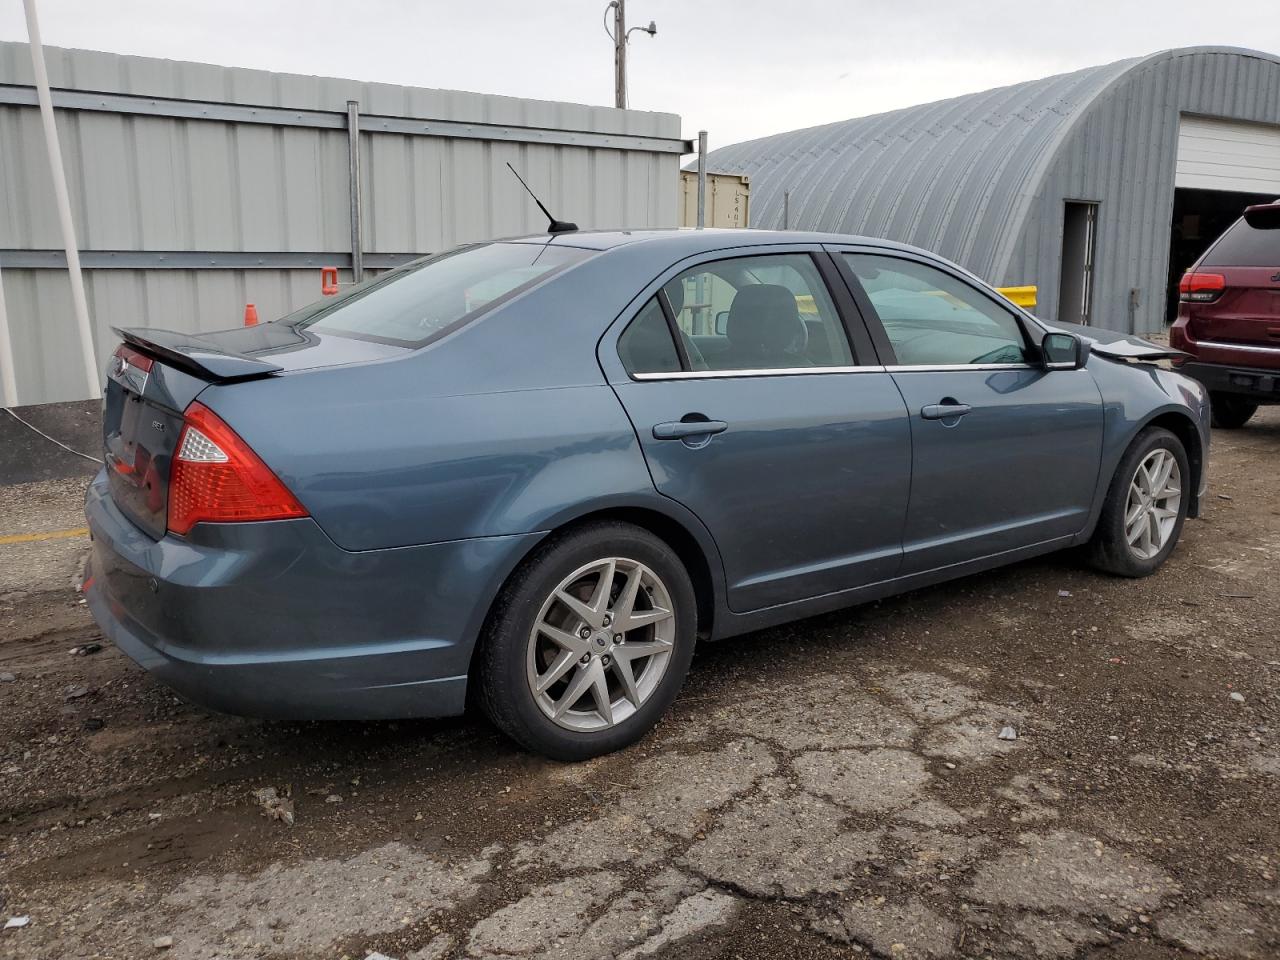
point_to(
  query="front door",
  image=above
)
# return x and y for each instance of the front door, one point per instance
(754, 411)
(1005, 454)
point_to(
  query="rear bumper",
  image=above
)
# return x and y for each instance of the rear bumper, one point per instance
(274, 620)
(1260, 385)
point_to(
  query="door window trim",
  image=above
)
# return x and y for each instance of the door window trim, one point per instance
(854, 327)
(876, 327)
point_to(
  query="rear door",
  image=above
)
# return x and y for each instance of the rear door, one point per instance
(1005, 453)
(761, 407)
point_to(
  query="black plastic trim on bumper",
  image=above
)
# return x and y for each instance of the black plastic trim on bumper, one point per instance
(1260, 385)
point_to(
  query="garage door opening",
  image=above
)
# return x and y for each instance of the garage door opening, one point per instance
(1223, 166)
(1199, 218)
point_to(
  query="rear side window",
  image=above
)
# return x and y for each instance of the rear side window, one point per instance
(1245, 246)
(646, 345)
(424, 300)
(770, 312)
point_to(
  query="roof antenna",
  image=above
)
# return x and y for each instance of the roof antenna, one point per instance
(556, 226)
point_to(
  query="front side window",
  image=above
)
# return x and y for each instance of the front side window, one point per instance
(420, 301)
(932, 318)
(757, 313)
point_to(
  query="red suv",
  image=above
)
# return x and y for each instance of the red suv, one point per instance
(1229, 317)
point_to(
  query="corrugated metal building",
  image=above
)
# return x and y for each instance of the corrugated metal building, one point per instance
(197, 189)
(1099, 186)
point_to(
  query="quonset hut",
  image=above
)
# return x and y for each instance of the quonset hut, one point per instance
(1099, 186)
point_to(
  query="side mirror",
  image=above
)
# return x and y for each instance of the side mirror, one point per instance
(722, 322)
(1062, 351)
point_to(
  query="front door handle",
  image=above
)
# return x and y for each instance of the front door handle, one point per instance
(684, 429)
(947, 410)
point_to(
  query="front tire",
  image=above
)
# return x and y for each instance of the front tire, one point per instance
(1229, 412)
(1146, 505)
(589, 642)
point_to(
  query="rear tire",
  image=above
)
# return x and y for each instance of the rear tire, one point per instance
(1146, 505)
(552, 672)
(1230, 412)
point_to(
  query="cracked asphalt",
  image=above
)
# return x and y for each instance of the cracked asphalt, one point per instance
(833, 788)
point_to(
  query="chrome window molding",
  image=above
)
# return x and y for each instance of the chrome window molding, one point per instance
(778, 372)
(812, 371)
(1246, 348)
(955, 367)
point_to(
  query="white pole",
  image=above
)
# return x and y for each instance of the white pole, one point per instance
(6, 356)
(78, 301)
(702, 179)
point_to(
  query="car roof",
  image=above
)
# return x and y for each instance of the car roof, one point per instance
(689, 240)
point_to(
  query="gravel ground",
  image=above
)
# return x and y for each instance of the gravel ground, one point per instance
(833, 788)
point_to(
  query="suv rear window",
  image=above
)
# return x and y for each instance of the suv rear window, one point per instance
(424, 300)
(1245, 246)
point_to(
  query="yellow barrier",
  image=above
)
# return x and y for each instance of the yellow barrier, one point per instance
(1024, 297)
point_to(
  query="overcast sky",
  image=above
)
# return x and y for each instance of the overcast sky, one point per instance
(738, 68)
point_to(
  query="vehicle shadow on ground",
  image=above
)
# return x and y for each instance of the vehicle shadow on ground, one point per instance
(806, 646)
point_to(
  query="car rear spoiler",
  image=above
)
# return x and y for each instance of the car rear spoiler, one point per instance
(196, 356)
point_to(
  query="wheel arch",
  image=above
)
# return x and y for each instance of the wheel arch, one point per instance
(1184, 428)
(686, 536)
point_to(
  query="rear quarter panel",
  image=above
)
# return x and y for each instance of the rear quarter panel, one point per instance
(506, 426)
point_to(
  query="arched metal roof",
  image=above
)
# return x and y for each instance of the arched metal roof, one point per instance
(957, 177)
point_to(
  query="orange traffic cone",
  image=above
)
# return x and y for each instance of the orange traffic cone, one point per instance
(250, 315)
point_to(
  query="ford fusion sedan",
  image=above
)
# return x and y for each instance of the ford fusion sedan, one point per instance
(533, 474)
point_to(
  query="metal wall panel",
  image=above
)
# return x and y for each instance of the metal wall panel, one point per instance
(1123, 153)
(166, 158)
(982, 179)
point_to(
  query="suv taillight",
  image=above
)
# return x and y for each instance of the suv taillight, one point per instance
(217, 478)
(1201, 287)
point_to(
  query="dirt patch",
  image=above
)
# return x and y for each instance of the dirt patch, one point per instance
(831, 788)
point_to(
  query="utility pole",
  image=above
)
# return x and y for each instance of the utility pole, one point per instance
(619, 36)
(620, 54)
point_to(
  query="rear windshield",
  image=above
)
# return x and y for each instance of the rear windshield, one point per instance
(421, 301)
(1245, 246)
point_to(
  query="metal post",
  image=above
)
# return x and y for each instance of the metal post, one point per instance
(786, 210)
(702, 178)
(7, 373)
(353, 176)
(619, 55)
(78, 301)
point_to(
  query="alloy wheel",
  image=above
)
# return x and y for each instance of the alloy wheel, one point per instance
(1155, 498)
(600, 644)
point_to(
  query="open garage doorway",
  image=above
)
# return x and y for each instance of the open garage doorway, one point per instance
(1222, 167)
(1199, 218)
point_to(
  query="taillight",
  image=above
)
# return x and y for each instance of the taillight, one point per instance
(1201, 287)
(217, 478)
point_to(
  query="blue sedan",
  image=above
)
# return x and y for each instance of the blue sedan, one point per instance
(539, 471)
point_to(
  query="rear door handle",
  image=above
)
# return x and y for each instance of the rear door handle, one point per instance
(944, 411)
(683, 429)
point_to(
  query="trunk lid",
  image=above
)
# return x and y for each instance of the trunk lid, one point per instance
(156, 374)
(1242, 324)
(1247, 312)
